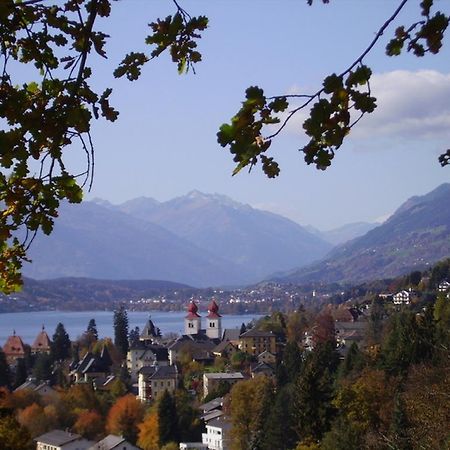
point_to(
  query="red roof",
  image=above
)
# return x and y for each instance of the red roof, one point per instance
(42, 342)
(14, 346)
(192, 311)
(213, 310)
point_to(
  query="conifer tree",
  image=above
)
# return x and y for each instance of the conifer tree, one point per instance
(21, 373)
(92, 329)
(167, 419)
(292, 360)
(42, 369)
(5, 373)
(121, 330)
(60, 348)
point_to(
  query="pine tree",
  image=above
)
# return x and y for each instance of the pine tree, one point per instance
(21, 373)
(42, 369)
(292, 360)
(92, 329)
(121, 330)
(60, 348)
(354, 360)
(134, 337)
(167, 419)
(5, 374)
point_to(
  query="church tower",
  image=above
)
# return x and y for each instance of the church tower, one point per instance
(214, 321)
(192, 322)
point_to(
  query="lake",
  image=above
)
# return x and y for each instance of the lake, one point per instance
(28, 324)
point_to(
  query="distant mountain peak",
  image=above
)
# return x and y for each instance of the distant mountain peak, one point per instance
(196, 195)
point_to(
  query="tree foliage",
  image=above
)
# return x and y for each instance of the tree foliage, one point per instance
(41, 119)
(125, 416)
(120, 323)
(60, 347)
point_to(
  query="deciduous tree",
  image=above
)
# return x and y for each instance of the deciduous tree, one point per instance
(125, 416)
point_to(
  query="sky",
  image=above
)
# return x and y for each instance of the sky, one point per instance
(164, 143)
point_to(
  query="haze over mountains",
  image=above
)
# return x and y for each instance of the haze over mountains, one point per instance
(415, 236)
(198, 239)
(211, 240)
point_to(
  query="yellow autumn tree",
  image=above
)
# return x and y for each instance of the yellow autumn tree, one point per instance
(149, 432)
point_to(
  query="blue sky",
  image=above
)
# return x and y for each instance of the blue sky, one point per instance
(164, 143)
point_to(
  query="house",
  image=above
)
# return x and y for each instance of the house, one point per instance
(267, 358)
(256, 341)
(225, 349)
(42, 343)
(211, 410)
(231, 335)
(91, 367)
(61, 440)
(402, 298)
(217, 436)
(262, 369)
(193, 446)
(143, 354)
(113, 442)
(444, 286)
(43, 389)
(14, 349)
(211, 380)
(154, 380)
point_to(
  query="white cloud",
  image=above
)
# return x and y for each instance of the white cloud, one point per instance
(411, 105)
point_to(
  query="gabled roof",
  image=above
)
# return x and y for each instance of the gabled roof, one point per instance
(222, 346)
(213, 404)
(93, 363)
(257, 333)
(224, 376)
(231, 334)
(159, 372)
(57, 438)
(14, 346)
(112, 442)
(222, 422)
(42, 341)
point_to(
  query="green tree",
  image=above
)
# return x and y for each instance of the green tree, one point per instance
(42, 369)
(353, 361)
(92, 330)
(167, 419)
(21, 373)
(5, 373)
(292, 360)
(61, 345)
(255, 395)
(13, 436)
(120, 323)
(314, 392)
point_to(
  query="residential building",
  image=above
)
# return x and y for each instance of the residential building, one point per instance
(150, 333)
(154, 380)
(225, 349)
(211, 380)
(113, 442)
(43, 389)
(402, 298)
(91, 367)
(61, 440)
(143, 354)
(193, 446)
(255, 342)
(267, 358)
(444, 286)
(217, 436)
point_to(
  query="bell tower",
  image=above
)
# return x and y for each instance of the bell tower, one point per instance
(213, 321)
(192, 322)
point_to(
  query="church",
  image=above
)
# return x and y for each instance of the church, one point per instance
(196, 341)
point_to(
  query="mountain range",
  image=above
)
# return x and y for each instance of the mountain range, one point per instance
(414, 237)
(198, 239)
(211, 240)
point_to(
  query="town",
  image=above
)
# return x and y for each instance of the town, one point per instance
(217, 388)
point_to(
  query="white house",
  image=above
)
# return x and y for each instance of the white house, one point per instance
(217, 436)
(402, 298)
(444, 286)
